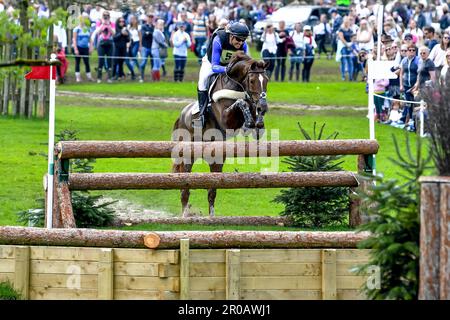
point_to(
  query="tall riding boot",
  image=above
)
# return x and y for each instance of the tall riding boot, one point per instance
(163, 67)
(157, 75)
(198, 119)
(175, 75)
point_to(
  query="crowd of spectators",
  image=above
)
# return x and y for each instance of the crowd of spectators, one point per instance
(414, 35)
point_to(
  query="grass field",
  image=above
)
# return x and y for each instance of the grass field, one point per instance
(22, 168)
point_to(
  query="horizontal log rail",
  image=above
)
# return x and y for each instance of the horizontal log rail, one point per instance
(171, 239)
(171, 149)
(114, 181)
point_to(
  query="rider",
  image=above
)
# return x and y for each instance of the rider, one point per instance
(224, 44)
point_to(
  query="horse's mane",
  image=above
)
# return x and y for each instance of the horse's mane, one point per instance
(241, 63)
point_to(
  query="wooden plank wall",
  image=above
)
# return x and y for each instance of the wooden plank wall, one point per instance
(104, 273)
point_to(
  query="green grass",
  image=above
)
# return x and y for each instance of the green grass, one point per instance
(22, 169)
(189, 227)
(350, 94)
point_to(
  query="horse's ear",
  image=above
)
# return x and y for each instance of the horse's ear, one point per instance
(266, 64)
(254, 65)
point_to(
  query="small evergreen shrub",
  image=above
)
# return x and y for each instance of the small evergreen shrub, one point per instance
(7, 292)
(86, 212)
(315, 206)
(393, 207)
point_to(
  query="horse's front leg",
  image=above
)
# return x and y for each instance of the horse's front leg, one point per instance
(245, 109)
(214, 167)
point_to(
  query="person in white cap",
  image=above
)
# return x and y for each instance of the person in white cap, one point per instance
(310, 46)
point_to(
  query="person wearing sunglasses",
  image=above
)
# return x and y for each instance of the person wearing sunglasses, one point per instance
(445, 72)
(223, 44)
(437, 55)
(408, 77)
(426, 71)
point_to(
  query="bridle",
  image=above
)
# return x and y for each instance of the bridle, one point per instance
(249, 94)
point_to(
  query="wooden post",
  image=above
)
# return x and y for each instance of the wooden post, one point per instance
(106, 275)
(22, 271)
(356, 214)
(184, 270)
(329, 274)
(434, 283)
(233, 274)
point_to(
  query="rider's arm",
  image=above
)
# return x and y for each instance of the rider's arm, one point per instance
(215, 56)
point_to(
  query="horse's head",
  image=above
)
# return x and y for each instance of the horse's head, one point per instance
(251, 74)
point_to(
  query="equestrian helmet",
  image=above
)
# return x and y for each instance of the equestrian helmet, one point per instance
(239, 30)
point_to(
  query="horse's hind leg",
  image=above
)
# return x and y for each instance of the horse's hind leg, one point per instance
(212, 192)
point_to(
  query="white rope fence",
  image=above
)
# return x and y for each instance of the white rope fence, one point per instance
(422, 105)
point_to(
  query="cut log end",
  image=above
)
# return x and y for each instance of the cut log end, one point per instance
(152, 240)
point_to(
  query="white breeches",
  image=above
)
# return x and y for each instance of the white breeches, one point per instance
(205, 72)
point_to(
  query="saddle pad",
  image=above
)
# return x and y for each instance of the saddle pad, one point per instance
(228, 94)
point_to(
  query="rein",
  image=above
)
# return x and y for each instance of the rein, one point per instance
(248, 96)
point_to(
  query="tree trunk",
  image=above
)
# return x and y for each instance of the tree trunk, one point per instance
(225, 220)
(228, 180)
(166, 240)
(170, 149)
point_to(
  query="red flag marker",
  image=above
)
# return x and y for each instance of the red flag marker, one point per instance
(41, 73)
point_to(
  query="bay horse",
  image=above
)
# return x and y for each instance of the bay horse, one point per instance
(237, 101)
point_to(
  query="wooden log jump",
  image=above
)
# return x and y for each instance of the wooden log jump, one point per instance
(171, 240)
(113, 181)
(166, 149)
(211, 152)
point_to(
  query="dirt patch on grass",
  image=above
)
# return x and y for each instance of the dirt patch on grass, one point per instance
(171, 101)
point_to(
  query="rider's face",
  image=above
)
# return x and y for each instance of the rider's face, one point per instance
(236, 42)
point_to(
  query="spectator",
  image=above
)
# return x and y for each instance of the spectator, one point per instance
(419, 17)
(444, 22)
(322, 32)
(199, 31)
(298, 52)
(96, 14)
(270, 40)
(310, 46)
(159, 42)
(437, 55)
(104, 37)
(445, 72)
(82, 47)
(134, 45)
(345, 50)
(393, 89)
(415, 31)
(362, 61)
(280, 67)
(147, 30)
(426, 70)
(61, 69)
(408, 78)
(355, 53)
(379, 89)
(181, 42)
(364, 36)
(336, 24)
(212, 24)
(121, 40)
(429, 37)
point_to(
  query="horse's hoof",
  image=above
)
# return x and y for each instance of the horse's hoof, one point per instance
(211, 212)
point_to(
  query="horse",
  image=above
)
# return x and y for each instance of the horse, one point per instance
(237, 101)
